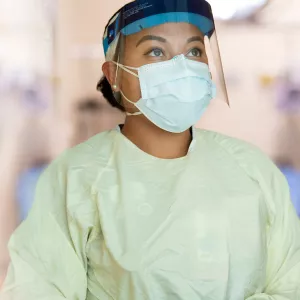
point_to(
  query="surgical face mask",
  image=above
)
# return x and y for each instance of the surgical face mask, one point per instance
(175, 93)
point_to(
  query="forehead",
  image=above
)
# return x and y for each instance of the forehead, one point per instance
(168, 30)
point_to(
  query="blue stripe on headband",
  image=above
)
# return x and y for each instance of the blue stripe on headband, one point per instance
(143, 14)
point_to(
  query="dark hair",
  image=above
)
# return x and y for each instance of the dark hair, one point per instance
(104, 87)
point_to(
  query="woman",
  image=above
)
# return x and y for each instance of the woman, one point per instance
(157, 209)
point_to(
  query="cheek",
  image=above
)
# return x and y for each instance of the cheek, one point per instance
(130, 86)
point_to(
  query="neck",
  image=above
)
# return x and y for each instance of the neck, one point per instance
(155, 141)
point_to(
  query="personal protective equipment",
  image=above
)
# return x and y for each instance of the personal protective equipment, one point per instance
(113, 222)
(175, 93)
(154, 31)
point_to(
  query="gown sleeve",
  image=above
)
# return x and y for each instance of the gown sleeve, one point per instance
(283, 232)
(44, 262)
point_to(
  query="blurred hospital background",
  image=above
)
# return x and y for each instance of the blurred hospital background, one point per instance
(50, 61)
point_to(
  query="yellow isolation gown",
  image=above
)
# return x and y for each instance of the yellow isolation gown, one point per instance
(111, 222)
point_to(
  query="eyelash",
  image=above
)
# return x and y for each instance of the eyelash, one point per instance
(200, 51)
(153, 50)
(158, 49)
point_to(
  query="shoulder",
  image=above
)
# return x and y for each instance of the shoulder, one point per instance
(227, 143)
(248, 156)
(257, 165)
(97, 147)
(87, 153)
(79, 165)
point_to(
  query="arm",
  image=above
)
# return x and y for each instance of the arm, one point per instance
(282, 228)
(44, 263)
(283, 265)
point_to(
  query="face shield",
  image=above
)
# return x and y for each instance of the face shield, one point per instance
(144, 40)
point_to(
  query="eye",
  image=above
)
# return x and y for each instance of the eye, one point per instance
(194, 53)
(155, 53)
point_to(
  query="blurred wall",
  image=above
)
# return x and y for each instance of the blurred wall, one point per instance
(25, 36)
(78, 52)
(78, 58)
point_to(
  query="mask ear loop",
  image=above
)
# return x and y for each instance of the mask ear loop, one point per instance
(122, 67)
(127, 69)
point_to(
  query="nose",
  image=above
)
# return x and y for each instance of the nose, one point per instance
(178, 56)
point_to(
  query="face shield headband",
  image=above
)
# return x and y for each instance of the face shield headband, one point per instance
(142, 14)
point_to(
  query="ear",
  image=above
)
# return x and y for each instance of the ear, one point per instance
(109, 70)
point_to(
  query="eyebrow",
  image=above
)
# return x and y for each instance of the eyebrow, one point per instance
(163, 40)
(196, 39)
(151, 38)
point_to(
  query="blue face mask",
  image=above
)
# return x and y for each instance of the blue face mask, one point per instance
(175, 93)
